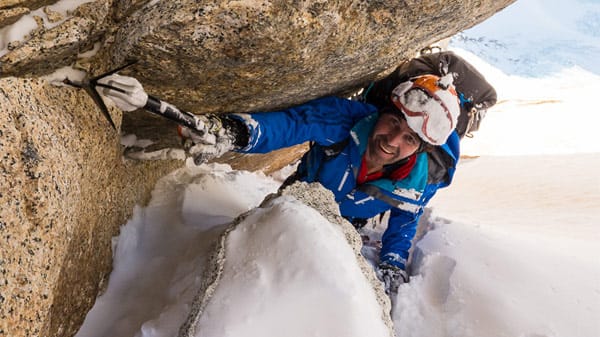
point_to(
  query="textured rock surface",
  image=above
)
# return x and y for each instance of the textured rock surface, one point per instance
(49, 47)
(208, 56)
(10, 15)
(64, 191)
(216, 56)
(62, 170)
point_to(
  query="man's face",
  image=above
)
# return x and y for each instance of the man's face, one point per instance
(391, 140)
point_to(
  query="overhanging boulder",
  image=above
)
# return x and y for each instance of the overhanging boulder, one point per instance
(223, 56)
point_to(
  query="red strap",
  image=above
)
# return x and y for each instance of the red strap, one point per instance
(398, 174)
(404, 170)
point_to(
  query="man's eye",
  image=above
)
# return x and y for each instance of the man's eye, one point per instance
(411, 140)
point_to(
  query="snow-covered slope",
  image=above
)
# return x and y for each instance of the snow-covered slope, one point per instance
(513, 252)
(288, 271)
(535, 38)
(546, 115)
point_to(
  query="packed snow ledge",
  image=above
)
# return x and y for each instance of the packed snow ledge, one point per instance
(284, 269)
(501, 270)
(190, 265)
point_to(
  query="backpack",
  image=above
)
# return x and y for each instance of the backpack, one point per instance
(475, 93)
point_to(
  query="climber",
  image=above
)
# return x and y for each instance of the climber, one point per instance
(373, 160)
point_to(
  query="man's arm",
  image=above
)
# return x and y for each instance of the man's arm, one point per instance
(325, 121)
(397, 239)
(396, 242)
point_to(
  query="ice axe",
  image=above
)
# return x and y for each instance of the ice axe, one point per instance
(153, 104)
(90, 84)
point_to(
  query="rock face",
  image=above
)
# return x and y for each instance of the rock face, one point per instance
(65, 190)
(216, 56)
(65, 187)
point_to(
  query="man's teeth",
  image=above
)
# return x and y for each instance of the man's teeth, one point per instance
(384, 149)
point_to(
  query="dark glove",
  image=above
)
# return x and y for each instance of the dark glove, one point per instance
(217, 136)
(391, 276)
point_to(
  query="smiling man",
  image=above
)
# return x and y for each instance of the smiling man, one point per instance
(373, 160)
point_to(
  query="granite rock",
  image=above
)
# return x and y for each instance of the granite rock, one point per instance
(11, 15)
(222, 56)
(207, 56)
(65, 191)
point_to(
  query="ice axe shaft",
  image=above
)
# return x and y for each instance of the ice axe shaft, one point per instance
(173, 113)
(153, 104)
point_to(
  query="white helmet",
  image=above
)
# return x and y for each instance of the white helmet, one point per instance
(430, 105)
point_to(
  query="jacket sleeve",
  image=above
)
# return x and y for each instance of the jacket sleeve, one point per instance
(397, 239)
(325, 121)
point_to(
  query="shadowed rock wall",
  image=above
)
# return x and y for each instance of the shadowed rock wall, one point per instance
(65, 190)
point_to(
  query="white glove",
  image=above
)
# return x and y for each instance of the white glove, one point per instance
(133, 96)
(212, 141)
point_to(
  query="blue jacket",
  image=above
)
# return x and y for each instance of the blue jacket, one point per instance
(333, 120)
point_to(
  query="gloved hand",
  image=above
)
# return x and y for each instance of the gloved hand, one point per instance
(131, 95)
(391, 276)
(214, 138)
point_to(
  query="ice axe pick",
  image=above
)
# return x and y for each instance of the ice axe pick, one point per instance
(153, 104)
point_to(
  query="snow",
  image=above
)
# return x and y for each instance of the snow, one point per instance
(512, 247)
(536, 38)
(59, 75)
(164, 247)
(520, 251)
(26, 24)
(131, 140)
(136, 149)
(549, 115)
(281, 261)
(163, 250)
